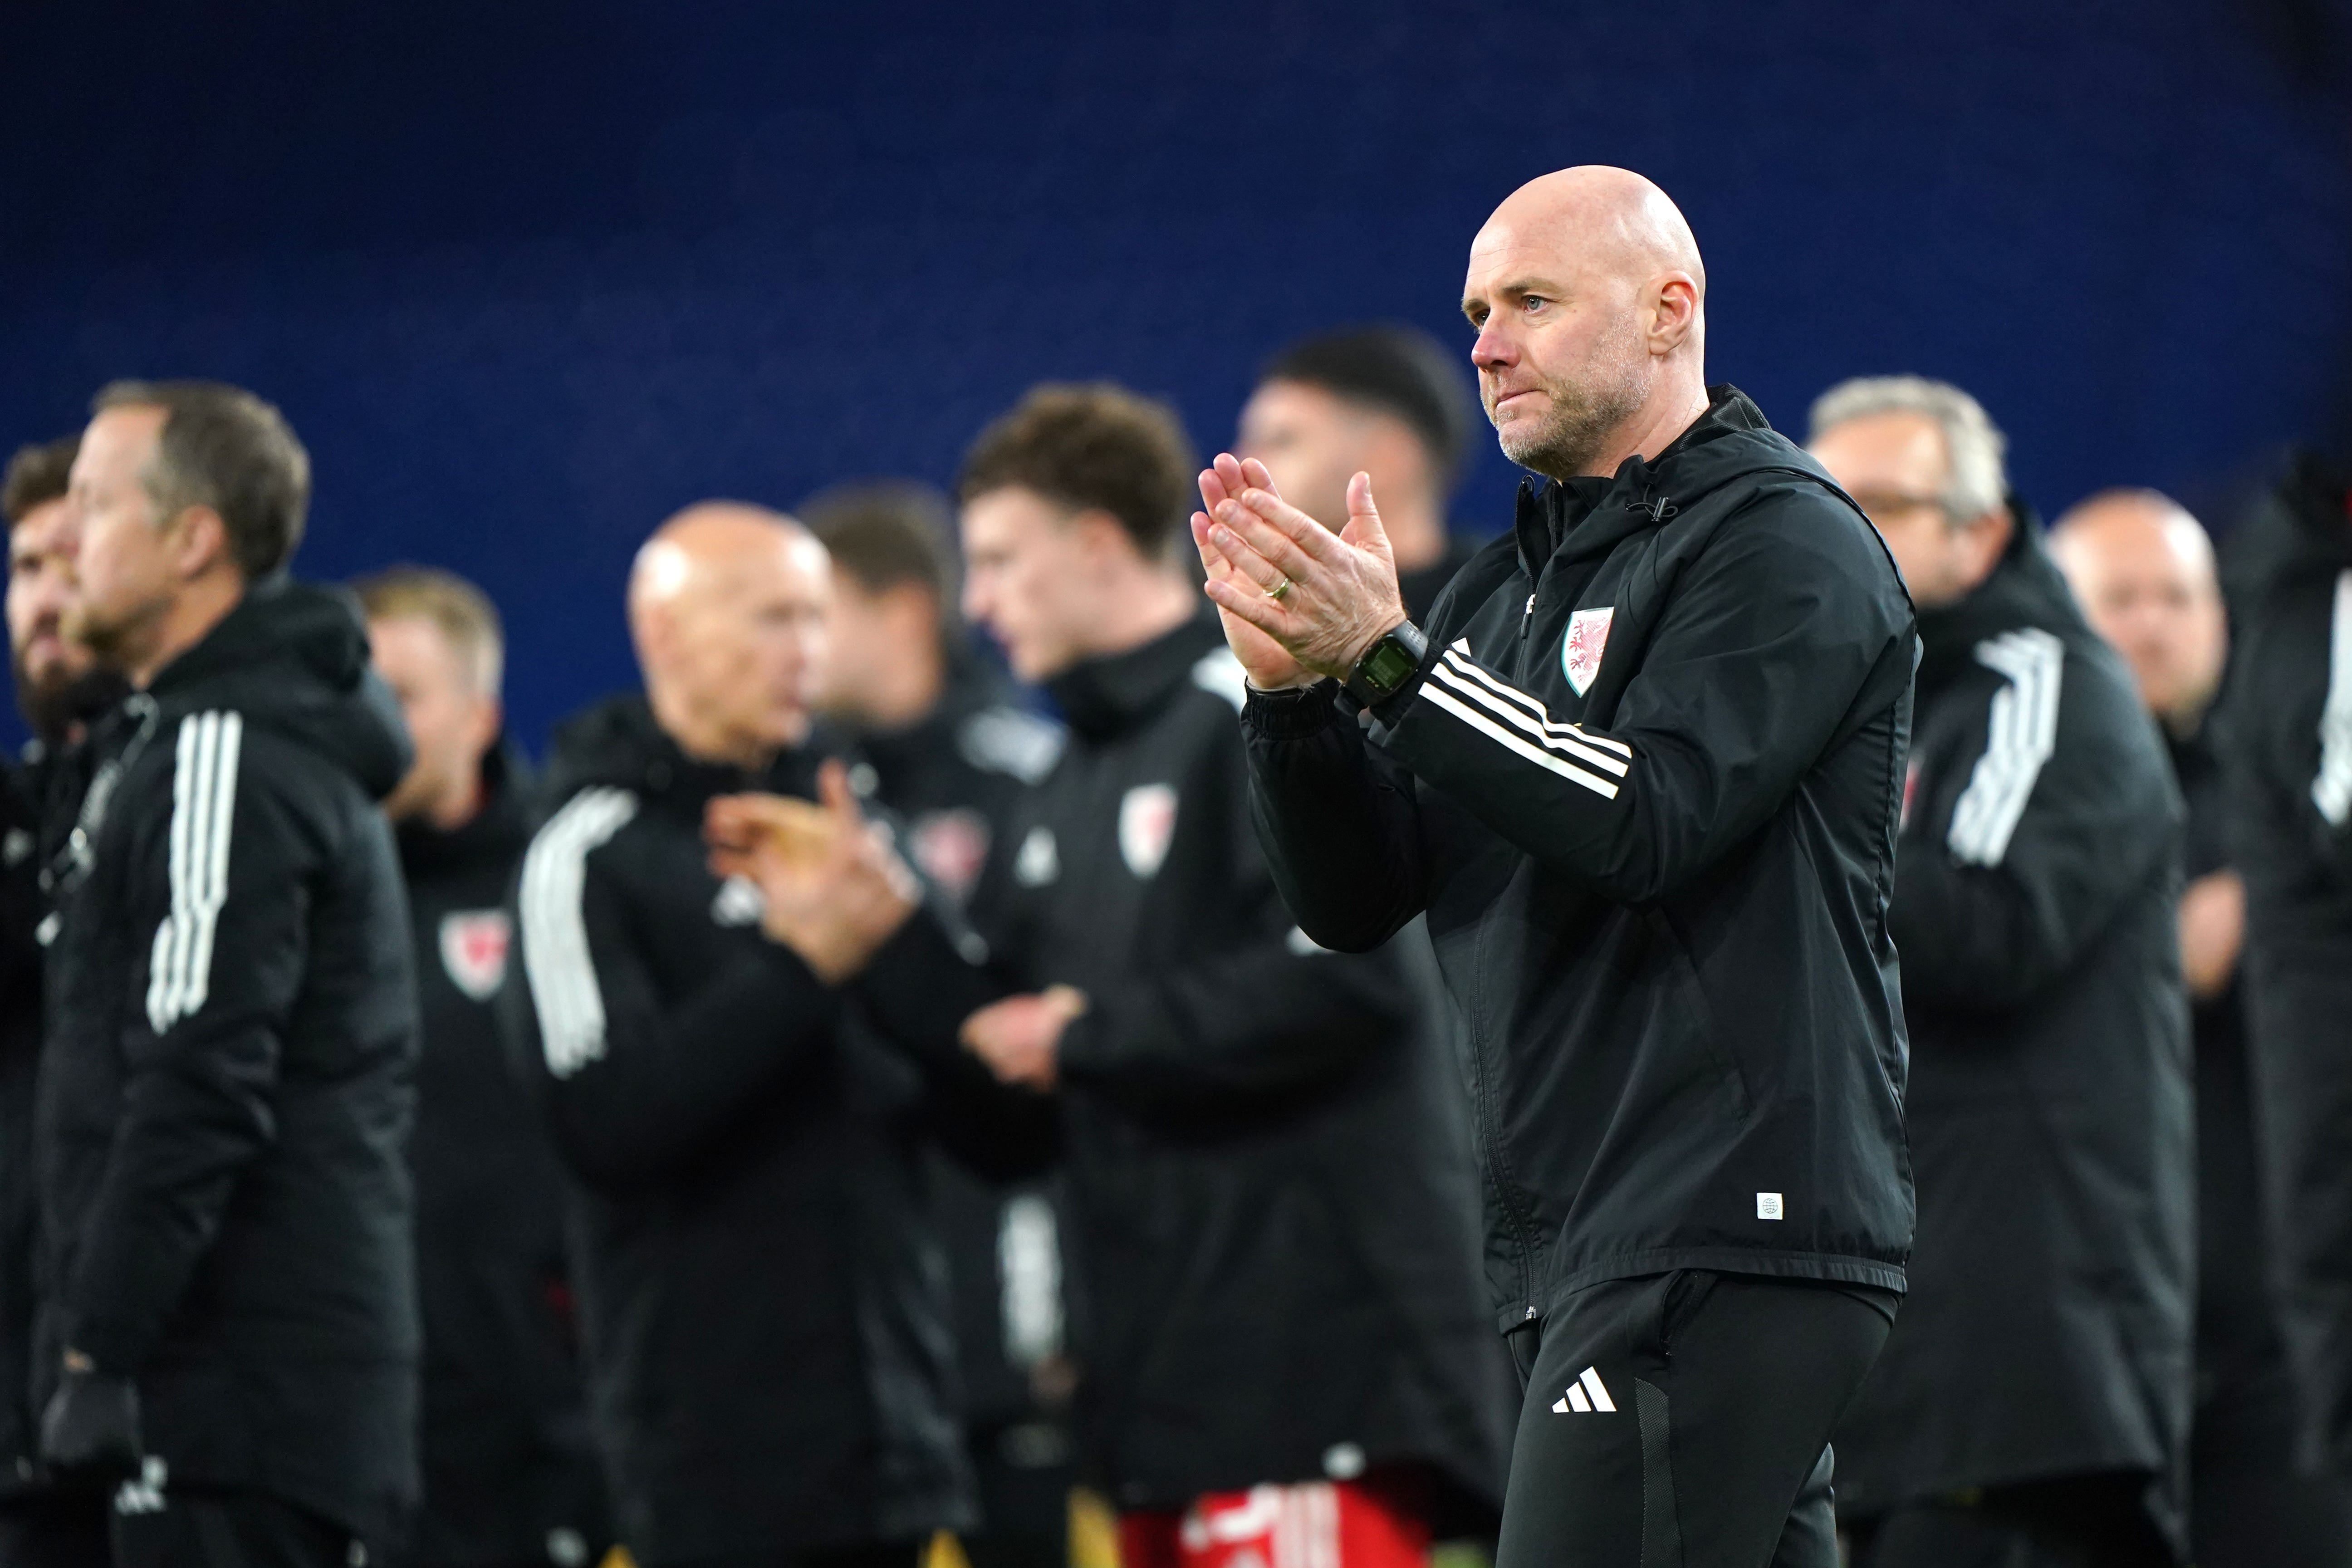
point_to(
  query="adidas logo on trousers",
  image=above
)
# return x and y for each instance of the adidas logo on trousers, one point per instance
(1589, 1384)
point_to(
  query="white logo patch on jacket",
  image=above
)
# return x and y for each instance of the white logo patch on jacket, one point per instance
(1146, 822)
(1040, 860)
(738, 902)
(1581, 649)
(474, 950)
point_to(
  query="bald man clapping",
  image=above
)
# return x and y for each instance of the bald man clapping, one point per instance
(1642, 771)
(766, 1332)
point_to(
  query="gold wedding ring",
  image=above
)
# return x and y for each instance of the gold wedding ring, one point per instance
(1279, 589)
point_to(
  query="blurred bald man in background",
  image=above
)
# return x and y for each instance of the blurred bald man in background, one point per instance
(2143, 571)
(1642, 773)
(766, 1319)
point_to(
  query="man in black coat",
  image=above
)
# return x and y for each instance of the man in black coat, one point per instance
(59, 689)
(952, 752)
(2034, 1396)
(765, 1314)
(511, 1474)
(226, 1084)
(2287, 725)
(1385, 401)
(2143, 571)
(1269, 1182)
(1641, 774)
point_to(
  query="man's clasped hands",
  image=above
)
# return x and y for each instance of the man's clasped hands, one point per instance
(834, 891)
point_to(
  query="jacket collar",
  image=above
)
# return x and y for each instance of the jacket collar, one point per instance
(495, 832)
(2023, 589)
(1588, 516)
(618, 743)
(1103, 697)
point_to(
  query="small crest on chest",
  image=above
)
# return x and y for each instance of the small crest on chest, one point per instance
(1147, 822)
(950, 847)
(474, 950)
(1581, 649)
(738, 902)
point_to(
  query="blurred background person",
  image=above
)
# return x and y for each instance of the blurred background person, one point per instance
(941, 727)
(225, 1087)
(1273, 1208)
(40, 1525)
(2143, 571)
(510, 1471)
(1388, 401)
(765, 1315)
(2034, 1398)
(950, 753)
(2286, 729)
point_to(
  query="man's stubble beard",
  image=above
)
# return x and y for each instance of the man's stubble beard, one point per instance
(1571, 437)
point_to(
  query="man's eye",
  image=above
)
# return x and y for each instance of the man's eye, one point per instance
(1534, 302)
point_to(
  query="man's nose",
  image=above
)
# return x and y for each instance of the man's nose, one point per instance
(1492, 350)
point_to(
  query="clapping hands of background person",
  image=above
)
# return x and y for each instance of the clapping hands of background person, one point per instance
(1020, 1038)
(834, 887)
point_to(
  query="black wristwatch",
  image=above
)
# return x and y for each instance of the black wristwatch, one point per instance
(1387, 665)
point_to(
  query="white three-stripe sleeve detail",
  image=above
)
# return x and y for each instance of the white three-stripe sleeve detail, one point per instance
(2021, 732)
(2331, 791)
(203, 811)
(1495, 697)
(1484, 726)
(1458, 660)
(556, 960)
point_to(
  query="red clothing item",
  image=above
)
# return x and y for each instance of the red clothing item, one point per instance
(1318, 1524)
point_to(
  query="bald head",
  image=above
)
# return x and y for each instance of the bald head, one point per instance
(2143, 571)
(1603, 218)
(727, 605)
(1590, 304)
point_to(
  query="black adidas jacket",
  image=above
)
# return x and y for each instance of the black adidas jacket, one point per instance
(765, 1313)
(510, 1471)
(228, 1081)
(2287, 738)
(2036, 896)
(1273, 1203)
(1646, 790)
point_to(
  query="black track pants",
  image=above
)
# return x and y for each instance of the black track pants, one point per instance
(1683, 1421)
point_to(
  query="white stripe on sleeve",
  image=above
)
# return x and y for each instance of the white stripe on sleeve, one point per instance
(2020, 735)
(555, 954)
(2331, 791)
(1522, 726)
(203, 809)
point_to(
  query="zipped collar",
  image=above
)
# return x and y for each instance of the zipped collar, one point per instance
(1100, 698)
(1588, 516)
(2023, 589)
(498, 829)
(618, 743)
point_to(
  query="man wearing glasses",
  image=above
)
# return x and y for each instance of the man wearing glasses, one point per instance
(2031, 1405)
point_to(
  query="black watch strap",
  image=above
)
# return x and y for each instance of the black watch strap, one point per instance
(1388, 665)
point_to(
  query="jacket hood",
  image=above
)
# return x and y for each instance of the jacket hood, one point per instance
(2024, 589)
(2301, 527)
(293, 659)
(1589, 516)
(617, 742)
(1101, 697)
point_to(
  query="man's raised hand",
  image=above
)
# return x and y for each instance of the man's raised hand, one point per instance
(834, 887)
(1267, 664)
(1321, 599)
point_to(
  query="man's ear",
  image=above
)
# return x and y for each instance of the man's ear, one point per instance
(1988, 539)
(1102, 539)
(198, 542)
(1674, 310)
(489, 718)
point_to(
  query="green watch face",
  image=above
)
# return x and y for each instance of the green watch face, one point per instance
(1388, 666)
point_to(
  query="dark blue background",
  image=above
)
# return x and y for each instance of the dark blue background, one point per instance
(526, 279)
